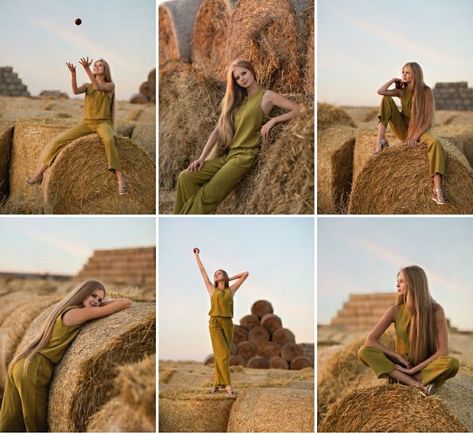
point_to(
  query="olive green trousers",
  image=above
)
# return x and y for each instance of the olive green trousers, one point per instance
(25, 399)
(390, 114)
(221, 334)
(104, 130)
(437, 371)
(201, 191)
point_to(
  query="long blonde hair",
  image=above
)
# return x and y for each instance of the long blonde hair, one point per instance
(234, 95)
(423, 105)
(108, 78)
(423, 332)
(73, 298)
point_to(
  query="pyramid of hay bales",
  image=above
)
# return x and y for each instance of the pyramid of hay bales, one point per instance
(453, 96)
(147, 90)
(10, 83)
(261, 342)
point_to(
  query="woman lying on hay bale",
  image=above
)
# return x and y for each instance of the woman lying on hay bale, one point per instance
(244, 119)
(99, 111)
(220, 323)
(421, 347)
(25, 401)
(414, 121)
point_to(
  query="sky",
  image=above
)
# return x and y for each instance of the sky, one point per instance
(364, 254)
(62, 245)
(278, 253)
(363, 44)
(39, 37)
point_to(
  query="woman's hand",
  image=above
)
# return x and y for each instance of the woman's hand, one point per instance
(196, 165)
(266, 128)
(71, 68)
(196, 251)
(403, 361)
(408, 371)
(411, 142)
(85, 62)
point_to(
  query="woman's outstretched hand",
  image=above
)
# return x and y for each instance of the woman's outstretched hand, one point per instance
(266, 128)
(71, 67)
(85, 62)
(411, 142)
(196, 165)
(196, 251)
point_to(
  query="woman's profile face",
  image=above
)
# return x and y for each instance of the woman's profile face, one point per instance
(406, 74)
(243, 76)
(95, 299)
(401, 284)
(99, 68)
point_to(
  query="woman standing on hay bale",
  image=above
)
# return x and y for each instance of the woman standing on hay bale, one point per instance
(421, 347)
(220, 323)
(25, 401)
(244, 119)
(414, 121)
(99, 111)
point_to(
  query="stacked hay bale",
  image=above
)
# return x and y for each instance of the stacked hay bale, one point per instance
(53, 94)
(10, 83)
(453, 96)
(262, 342)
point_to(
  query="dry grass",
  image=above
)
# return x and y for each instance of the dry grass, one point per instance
(145, 136)
(309, 67)
(6, 141)
(329, 115)
(9, 302)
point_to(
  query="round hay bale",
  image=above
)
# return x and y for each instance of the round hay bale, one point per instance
(328, 115)
(278, 362)
(335, 147)
(249, 321)
(93, 188)
(6, 141)
(273, 410)
(283, 336)
(384, 409)
(83, 380)
(209, 360)
(12, 301)
(193, 411)
(300, 362)
(209, 39)
(258, 335)
(397, 181)
(145, 136)
(234, 350)
(310, 70)
(176, 22)
(290, 351)
(124, 128)
(147, 89)
(237, 361)
(271, 323)
(460, 136)
(137, 98)
(269, 350)
(265, 33)
(247, 350)
(240, 334)
(258, 362)
(260, 308)
(152, 76)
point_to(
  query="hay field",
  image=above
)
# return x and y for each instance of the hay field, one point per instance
(266, 400)
(27, 124)
(352, 180)
(346, 386)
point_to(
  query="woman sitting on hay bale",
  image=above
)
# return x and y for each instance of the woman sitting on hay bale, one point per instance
(25, 401)
(220, 323)
(245, 108)
(99, 110)
(414, 121)
(421, 347)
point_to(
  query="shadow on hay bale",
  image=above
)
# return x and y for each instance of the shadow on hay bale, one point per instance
(389, 408)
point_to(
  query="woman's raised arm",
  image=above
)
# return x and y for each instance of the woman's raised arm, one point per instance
(208, 283)
(383, 90)
(240, 278)
(79, 316)
(271, 99)
(75, 90)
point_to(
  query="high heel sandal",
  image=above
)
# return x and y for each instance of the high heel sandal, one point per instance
(122, 188)
(380, 145)
(229, 391)
(438, 196)
(34, 180)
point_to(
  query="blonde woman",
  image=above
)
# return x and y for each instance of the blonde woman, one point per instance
(243, 121)
(220, 324)
(413, 122)
(421, 355)
(25, 399)
(99, 111)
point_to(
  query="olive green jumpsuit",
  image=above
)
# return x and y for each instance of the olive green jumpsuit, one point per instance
(25, 400)
(221, 333)
(97, 119)
(437, 371)
(399, 121)
(201, 191)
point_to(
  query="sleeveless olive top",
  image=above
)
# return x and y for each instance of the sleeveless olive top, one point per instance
(406, 103)
(97, 104)
(401, 325)
(61, 337)
(248, 121)
(221, 303)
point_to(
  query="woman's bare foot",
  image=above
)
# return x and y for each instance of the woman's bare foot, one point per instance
(380, 145)
(35, 179)
(229, 391)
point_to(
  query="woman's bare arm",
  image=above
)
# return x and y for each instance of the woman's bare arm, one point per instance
(271, 99)
(383, 90)
(80, 315)
(211, 142)
(240, 278)
(75, 89)
(208, 283)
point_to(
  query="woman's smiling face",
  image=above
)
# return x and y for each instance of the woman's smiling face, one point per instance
(95, 299)
(243, 76)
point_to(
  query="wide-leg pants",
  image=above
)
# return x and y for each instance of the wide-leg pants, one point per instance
(390, 114)
(221, 334)
(201, 191)
(25, 399)
(437, 371)
(104, 130)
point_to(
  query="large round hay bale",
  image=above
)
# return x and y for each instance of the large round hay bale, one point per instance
(237, 361)
(261, 307)
(273, 410)
(300, 362)
(269, 350)
(460, 136)
(176, 22)
(258, 335)
(384, 409)
(247, 349)
(335, 147)
(145, 136)
(209, 360)
(265, 33)
(328, 115)
(234, 350)
(397, 181)
(209, 40)
(148, 89)
(290, 351)
(282, 336)
(6, 141)
(93, 188)
(278, 362)
(193, 411)
(250, 321)
(137, 98)
(12, 301)
(240, 334)
(271, 323)
(258, 362)
(309, 69)
(83, 380)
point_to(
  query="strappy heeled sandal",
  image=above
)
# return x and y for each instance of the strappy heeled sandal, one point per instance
(122, 188)
(229, 391)
(34, 180)
(438, 196)
(380, 145)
